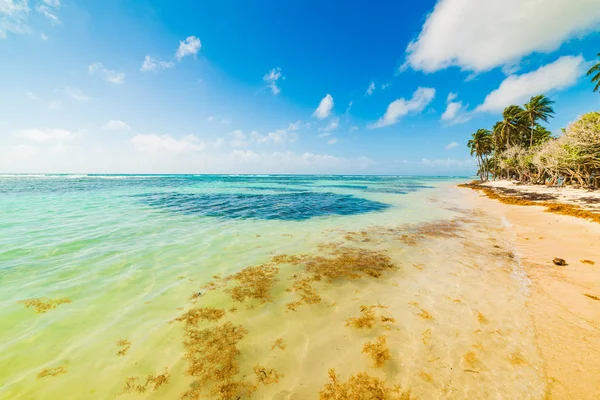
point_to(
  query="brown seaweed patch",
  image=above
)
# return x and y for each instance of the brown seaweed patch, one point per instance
(212, 356)
(426, 377)
(425, 314)
(481, 318)
(516, 359)
(195, 315)
(308, 294)
(253, 283)
(590, 262)
(591, 296)
(378, 351)
(470, 359)
(43, 306)
(426, 336)
(278, 344)
(366, 320)
(521, 199)
(360, 387)
(152, 383)
(124, 346)
(350, 263)
(266, 376)
(52, 371)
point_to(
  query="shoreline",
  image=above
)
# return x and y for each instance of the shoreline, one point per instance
(563, 301)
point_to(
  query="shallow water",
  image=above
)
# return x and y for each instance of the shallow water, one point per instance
(128, 251)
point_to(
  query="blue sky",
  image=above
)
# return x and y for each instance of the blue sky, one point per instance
(279, 87)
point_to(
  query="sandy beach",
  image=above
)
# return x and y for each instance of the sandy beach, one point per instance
(563, 301)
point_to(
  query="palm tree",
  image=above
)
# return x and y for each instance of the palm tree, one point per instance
(481, 146)
(595, 78)
(538, 108)
(511, 120)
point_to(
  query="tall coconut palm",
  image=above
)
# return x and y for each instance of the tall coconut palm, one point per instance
(510, 124)
(497, 145)
(595, 72)
(481, 146)
(538, 108)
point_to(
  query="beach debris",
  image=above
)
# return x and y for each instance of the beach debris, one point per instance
(266, 376)
(43, 306)
(426, 377)
(194, 315)
(124, 345)
(52, 371)
(360, 386)
(212, 356)
(253, 283)
(590, 262)
(559, 261)
(470, 359)
(378, 351)
(366, 320)
(152, 383)
(591, 296)
(278, 343)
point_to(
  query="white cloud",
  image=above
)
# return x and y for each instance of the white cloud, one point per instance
(332, 141)
(76, 94)
(451, 97)
(116, 125)
(451, 146)
(370, 89)
(271, 79)
(325, 107)
(349, 107)
(190, 46)
(238, 138)
(48, 12)
(385, 86)
(332, 126)
(324, 135)
(13, 17)
(401, 107)
(353, 128)
(452, 110)
(31, 95)
(443, 164)
(45, 135)
(166, 144)
(108, 75)
(280, 136)
(479, 35)
(517, 89)
(153, 65)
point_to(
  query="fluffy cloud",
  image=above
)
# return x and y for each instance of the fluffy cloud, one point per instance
(48, 12)
(190, 46)
(271, 79)
(370, 89)
(280, 136)
(108, 75)
(478, 35)
(46, 135)
(116, 125)
(443, 164)
(76, 94)
(152, 65)
(517, 89)
(325, 107)
(238, 138)
(452, 110)
(401, 107)
(451, 146)
(166, 144)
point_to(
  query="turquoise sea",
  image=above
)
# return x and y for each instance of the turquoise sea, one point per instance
(94, 270)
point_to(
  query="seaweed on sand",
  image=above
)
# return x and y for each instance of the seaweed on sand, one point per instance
(308, 294)
(42, 306)
(52, 371)
(359, 387)
(367, 318)
(266, 376)
(152, 383)
(124, 346)
(253, 283)
(195, 315)
(350, 263)
(378, 351)
(212, 356)
(278, 343)
(590, 262)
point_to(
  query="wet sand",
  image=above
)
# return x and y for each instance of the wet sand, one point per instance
(563, 301)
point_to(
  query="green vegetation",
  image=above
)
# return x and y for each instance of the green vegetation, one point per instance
(519, 148)
(594, 72)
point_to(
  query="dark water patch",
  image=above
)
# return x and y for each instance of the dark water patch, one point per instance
(285, 206)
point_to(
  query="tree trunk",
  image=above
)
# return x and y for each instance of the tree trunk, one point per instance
(531, 140)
